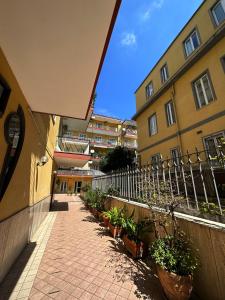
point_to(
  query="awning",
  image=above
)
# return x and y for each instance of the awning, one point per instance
(56, 49)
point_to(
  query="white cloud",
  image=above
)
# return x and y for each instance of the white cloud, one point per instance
(128, 39)
(146, 14)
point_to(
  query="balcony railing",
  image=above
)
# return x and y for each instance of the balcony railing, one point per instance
(130, 145)
(196, 179)
(107, 130)
(72, 145)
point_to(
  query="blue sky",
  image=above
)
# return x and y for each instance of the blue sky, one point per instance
(143, 31)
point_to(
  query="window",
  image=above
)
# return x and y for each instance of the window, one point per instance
(14, 130)
(213, 144)
(170, 114)
(63, 187)
(203, 90)
(82, 136)
(99, 125)
(98, 139)
(112, 141)
(191, 43)
(149, 90)
(164, 73)
(218, 12)
(175, 156)
(4, 95)
(155, 159)
(223, 62)
(153, 125)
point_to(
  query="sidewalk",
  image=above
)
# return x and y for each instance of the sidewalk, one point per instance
(79, 260)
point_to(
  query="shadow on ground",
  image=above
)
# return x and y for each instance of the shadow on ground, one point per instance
(8, 284)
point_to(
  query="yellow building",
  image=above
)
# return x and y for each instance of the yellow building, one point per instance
(180, 105)
(87, 147)
(46, 69)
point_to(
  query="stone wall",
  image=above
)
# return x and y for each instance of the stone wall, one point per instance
(17, 230)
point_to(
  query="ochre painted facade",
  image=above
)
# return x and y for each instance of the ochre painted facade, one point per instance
(72, 183)
(29, 183)
(192, 124)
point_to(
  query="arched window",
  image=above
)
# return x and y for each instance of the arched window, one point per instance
(14, 130)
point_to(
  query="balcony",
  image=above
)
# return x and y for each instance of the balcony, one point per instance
(103, 143)
(106, 130)
(129, 133)
(71, 144)
(130, 145)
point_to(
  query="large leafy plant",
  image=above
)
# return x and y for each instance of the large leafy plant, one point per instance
(136, 230)
(116, 216)
(174, 255)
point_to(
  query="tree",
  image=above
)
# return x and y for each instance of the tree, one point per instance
(118, 158)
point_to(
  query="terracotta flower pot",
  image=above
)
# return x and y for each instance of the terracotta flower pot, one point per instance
(106, 221)
(176, 287)
(115, 230)
(135, 249)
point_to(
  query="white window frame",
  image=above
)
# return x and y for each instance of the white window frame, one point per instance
(214, 137)
(170, 115)
(82, 136)
(164, 73)
(222, 2)
(203, 90)
(153, 130)
(177, 159)
(190, 38)
(149, 90)
(98, 139)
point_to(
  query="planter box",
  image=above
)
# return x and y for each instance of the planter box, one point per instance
(95, 212)
(175, 287)
(106, 221)
(135, 249)
(115, 230)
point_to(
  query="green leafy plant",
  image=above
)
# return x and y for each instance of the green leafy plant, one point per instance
(174, 255)
(116, 216)
(136, 230)
(95, 198)
(112, 191)
(209, 208)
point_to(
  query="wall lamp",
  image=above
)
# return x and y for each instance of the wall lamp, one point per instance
(43, 161)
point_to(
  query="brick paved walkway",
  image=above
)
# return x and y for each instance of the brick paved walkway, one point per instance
(82, 261)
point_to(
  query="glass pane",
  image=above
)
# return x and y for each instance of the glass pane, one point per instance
(219, 13)
(195, 40)
(207, 88)
(211, 147)
(188, 47)
(200, 94)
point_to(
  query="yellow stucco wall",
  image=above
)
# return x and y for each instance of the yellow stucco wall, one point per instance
(175, 56)
(187, 114)
(29, 183)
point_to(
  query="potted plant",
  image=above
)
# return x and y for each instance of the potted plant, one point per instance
(106, 217)
(175, 263)
(116, 220)
(132, 237)
(171, 251)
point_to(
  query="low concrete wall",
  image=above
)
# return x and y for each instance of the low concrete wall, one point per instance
(208, 237)
(17, 230)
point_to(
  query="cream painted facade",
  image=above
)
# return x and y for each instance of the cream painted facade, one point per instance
(103, 133)
(192, 124)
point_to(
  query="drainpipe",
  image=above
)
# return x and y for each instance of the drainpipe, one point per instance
(177, 119)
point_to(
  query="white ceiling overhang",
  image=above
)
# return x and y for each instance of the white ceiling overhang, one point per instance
(56, 49)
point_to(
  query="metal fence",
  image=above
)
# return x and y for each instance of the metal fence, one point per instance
(198, 179)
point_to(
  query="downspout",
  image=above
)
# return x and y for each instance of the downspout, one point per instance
(177, 119)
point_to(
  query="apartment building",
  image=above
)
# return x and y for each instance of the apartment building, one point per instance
(87, 147)
(43, 56)
(180, 105)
